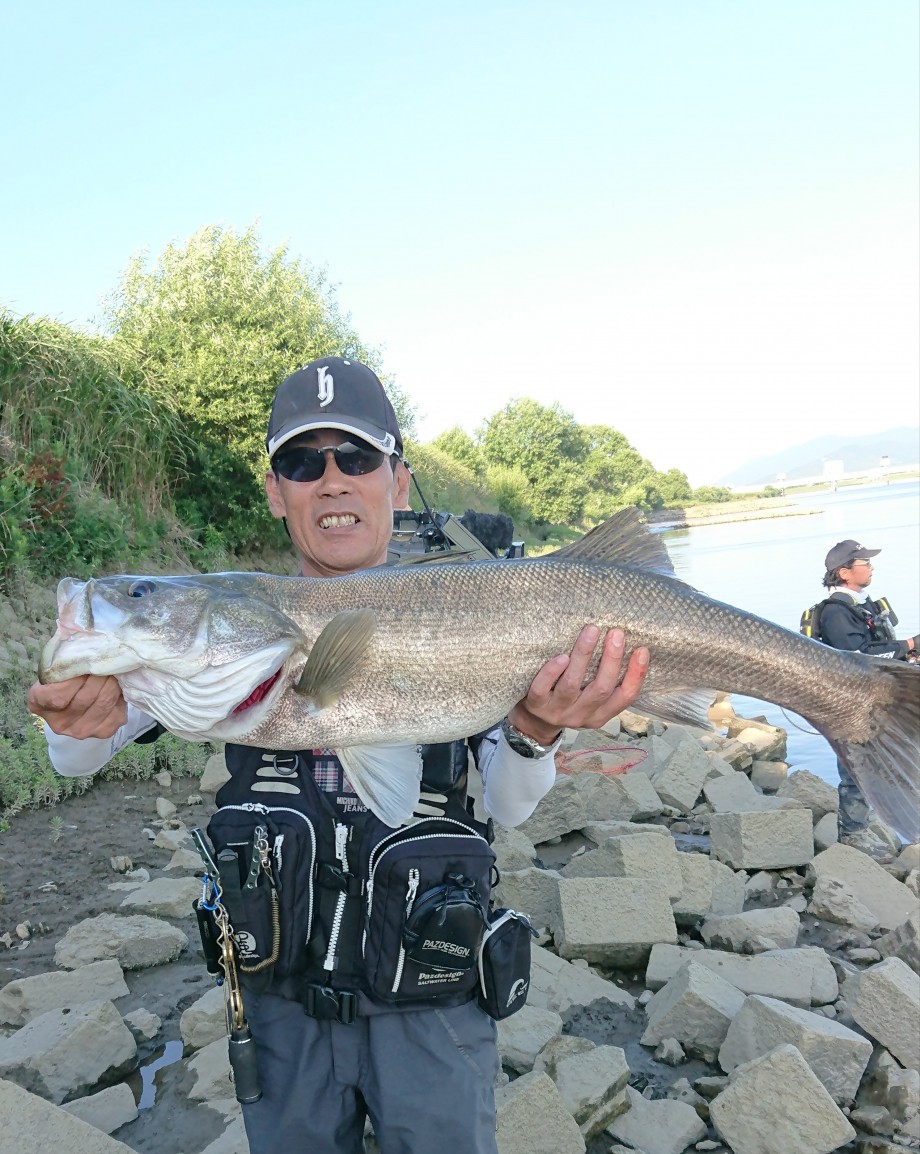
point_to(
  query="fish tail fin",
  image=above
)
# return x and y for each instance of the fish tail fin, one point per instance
(886, 767)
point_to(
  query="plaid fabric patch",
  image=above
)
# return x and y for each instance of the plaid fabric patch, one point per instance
(332, 778)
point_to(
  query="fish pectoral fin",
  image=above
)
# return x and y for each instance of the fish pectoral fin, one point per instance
(336, 656)
(679, 706)
(387, 778)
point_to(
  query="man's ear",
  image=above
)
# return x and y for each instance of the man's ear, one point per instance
(273, 492)
(401, 482)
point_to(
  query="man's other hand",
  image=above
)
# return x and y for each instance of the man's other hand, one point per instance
(558, 697)
(81, 707)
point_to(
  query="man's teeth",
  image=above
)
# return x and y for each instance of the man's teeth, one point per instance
(336, 522)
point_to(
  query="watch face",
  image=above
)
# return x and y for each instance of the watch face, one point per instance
(519, 743)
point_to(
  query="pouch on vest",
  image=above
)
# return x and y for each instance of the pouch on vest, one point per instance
(270, 901)
(504, 963)
(427, 894)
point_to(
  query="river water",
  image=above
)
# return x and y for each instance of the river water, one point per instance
(774, 567)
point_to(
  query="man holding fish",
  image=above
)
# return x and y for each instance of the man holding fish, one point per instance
(335, 1045)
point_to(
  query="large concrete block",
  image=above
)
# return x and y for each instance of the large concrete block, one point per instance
(886, 1004)
(679, 783)
(763, 840)
(34, 1126)
(696, 1007)
(660, 1127)
(695, 899)
(890, 900)
(621, 797)
(136, 942)
(776, 1105)
(834, 901)
(556, 984)
(802, 977)
(903, 942)
(522, 1036)
(643, 855)
(614, 921)
(727, 889)
(25, 998)
(513, 851)
(590, 1079)
(67, 1052)
(532, 1118)
(558, 813)
(837, 1056)
(741, 933)
(736, 794)
(813, 791)
(531, 891)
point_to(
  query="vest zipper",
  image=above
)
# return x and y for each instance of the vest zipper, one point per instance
(266, 810)
(341, 846)
(410, 902)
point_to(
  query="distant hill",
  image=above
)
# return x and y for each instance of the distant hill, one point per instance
(901, 446)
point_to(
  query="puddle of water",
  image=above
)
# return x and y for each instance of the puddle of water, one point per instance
(172, 1052)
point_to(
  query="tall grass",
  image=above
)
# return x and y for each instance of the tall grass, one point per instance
(112, 425)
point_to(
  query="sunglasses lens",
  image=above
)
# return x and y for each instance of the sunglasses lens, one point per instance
(354, 461)
(305, 464)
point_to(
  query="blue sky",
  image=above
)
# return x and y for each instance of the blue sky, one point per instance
(694, 221)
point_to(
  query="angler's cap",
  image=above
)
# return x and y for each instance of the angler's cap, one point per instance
(333, 393)
(844, 552)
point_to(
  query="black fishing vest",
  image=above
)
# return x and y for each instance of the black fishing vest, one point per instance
(346, 915)
(874, 616)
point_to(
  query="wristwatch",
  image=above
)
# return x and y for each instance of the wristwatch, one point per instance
(522, 744)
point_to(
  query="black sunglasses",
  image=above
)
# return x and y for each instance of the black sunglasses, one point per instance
(304, 463)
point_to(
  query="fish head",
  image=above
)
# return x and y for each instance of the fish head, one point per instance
(191, 650)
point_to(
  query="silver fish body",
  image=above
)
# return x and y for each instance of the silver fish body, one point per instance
(399, 656)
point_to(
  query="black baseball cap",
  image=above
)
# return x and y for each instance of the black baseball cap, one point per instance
(333, 393)
(844, 552)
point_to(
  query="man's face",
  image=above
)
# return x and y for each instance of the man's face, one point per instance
(857, 574)
(338, 524)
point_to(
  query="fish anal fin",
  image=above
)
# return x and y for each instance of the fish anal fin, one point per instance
(387, 778)
(678, 706)
(624, 538)
(336, 656)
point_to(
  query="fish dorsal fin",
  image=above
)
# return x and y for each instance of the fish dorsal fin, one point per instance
(336, 656)
(624, 538)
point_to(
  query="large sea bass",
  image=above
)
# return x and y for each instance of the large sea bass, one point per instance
(373, 663)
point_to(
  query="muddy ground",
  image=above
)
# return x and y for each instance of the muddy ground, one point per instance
(54, 871)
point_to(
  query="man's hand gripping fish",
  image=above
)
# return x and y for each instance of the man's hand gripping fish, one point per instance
(435, 652)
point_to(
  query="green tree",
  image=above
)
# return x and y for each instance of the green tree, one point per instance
(457, 443)
(549, 447)
(219, 323)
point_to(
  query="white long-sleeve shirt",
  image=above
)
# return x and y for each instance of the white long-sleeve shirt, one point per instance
(512, 785)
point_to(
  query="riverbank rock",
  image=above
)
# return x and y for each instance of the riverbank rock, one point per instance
(63, 1053)
(135, 942)
(776, 1105)
(39, 1127)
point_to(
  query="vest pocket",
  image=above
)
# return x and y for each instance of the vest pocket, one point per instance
(427, 898)
(266, 856)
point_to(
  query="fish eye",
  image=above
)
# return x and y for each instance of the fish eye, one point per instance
(140, 588)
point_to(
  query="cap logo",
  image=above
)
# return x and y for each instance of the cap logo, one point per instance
(326, 386)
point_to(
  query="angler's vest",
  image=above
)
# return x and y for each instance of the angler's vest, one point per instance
(876, 617)
(347, 915)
